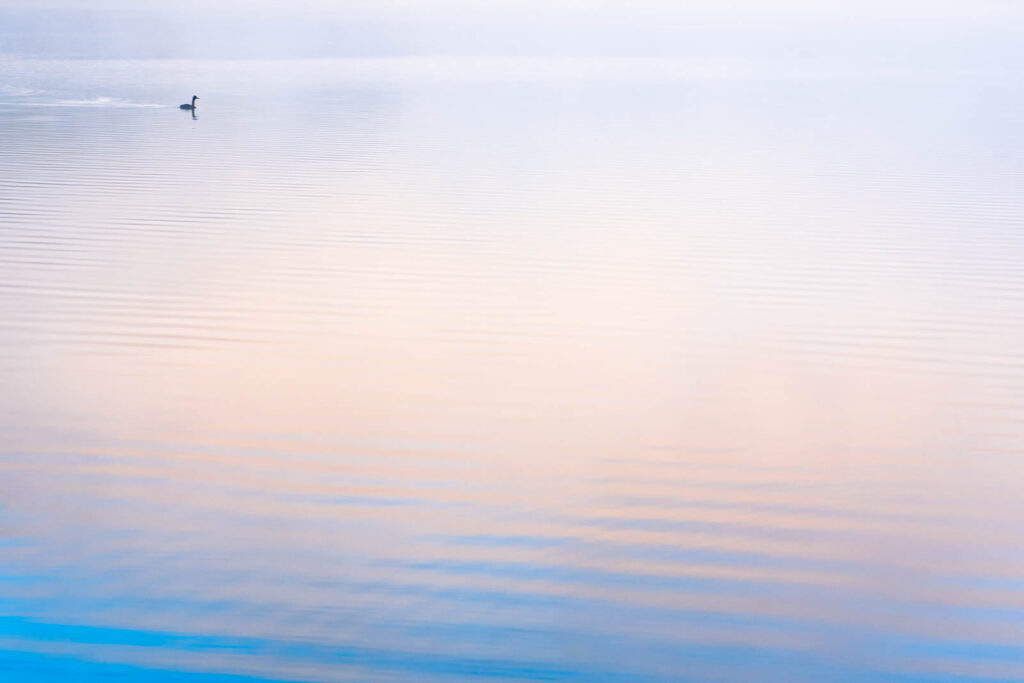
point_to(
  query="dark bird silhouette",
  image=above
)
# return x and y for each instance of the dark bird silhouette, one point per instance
(190, 107)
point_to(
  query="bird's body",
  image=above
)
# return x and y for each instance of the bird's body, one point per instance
(190, 107)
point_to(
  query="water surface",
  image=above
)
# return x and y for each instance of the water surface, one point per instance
(423, 369)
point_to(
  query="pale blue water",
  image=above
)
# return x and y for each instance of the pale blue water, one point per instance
(453, 369)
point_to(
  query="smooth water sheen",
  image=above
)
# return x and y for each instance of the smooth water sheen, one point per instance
(446, 370)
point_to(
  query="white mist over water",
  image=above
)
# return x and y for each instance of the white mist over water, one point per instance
(965, 34)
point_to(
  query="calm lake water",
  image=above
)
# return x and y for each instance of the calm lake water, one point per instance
(452, 370)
